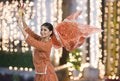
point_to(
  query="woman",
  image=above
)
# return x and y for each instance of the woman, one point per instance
(69, 34)
(42, 48)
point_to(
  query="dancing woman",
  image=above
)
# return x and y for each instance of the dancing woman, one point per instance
(42, 48)
(69, 34)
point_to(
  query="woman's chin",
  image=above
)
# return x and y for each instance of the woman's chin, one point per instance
(43, 36)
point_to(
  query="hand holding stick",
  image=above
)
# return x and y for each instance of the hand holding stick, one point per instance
(20, 19)
(21, 16)
(21, 11)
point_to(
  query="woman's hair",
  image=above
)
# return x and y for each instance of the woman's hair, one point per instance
(49, 26)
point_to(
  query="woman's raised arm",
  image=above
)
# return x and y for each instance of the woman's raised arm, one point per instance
(29, 31)
(25, 26)
(21, 28)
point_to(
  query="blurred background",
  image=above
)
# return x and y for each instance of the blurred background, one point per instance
(98, 59)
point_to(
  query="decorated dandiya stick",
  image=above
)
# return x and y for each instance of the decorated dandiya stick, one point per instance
(21, 9)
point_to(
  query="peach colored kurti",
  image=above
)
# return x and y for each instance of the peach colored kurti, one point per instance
(41, 57)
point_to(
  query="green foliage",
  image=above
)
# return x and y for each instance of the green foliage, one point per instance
(17, 59)
(75, 58)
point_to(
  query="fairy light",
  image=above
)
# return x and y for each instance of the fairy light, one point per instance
(111, 39)
(102, 70)
(21, 68)
(70, 69)
(70, 73)
(59, 11)
(9, 23)
(95, 14)
(38, 13)
(30, 69)
(117, 77)
(43, 11)
(46, 14)
(80, 75)
(95, 20)
(15, 68)
(82, 5)
(10, 67)
(53, 12)
(71, 77)
(110, 77)
(26, 69)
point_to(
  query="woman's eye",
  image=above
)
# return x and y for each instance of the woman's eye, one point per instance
(44, 29)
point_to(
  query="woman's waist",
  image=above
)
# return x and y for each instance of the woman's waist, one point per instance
(41, 62)
(41, 59)
(41, 67)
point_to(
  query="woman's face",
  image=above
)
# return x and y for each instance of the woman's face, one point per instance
(45, 32)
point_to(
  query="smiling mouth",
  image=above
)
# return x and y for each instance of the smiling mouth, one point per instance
(42, 34)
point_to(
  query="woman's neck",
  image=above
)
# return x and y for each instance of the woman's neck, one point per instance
(45, 39)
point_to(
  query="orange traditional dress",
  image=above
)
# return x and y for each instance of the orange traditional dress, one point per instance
(41, 57)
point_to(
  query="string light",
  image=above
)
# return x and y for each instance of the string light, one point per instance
(82, 5)
(26, 69)
(10, 67)
(10, 31)
(111, 58)
(30, 69)
(15, 68)
(36, 13)
(59, 11)
(94, 39)
(20, 68)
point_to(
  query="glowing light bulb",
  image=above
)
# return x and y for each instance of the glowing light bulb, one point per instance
(26, 69)
(30, 69)
(21, 69)
(15, 68)
(10, 68)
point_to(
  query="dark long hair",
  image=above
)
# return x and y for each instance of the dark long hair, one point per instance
(49, 26)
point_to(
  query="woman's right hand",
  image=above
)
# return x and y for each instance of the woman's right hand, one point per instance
(21, 11)
(21, 16)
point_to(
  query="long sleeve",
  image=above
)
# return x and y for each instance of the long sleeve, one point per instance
(31, 33)
(42, 46)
